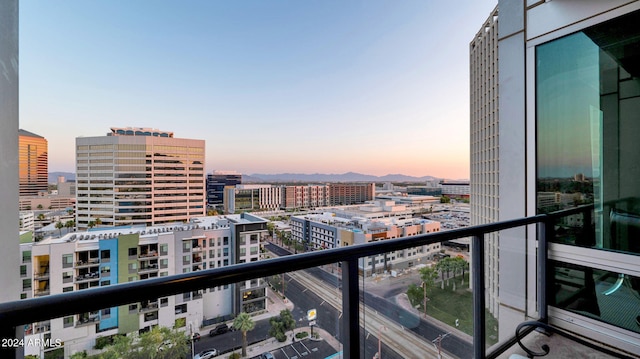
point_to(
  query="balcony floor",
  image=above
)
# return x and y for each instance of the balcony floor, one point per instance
(560, 347)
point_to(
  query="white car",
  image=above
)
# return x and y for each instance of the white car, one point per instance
(207, 354)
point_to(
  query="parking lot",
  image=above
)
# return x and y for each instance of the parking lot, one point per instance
(308, 349)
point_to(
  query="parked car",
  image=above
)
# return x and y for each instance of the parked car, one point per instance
(220, 329)
(266, 355)
(207, 354)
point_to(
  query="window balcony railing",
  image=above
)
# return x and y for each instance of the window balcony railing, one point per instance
(347, 290)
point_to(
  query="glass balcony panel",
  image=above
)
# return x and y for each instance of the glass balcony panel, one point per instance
(506, 301)
(399, 321)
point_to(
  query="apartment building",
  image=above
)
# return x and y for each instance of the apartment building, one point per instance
(139, 176)
(566, 137)
(109, 256)
(332, 230)
(309, 196)
(343, 194)
(33, 165)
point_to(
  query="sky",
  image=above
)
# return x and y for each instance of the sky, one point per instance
(376, 87)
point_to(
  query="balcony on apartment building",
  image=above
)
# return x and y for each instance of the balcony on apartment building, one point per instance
(380, 312)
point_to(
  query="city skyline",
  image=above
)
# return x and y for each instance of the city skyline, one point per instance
(272, 88)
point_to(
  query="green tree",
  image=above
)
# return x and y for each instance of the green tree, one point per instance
(98, 221)
(41, 217)
(270, 228)
(39, 206)
(158, 343)
(415, 295)
(121, 348)
(445, 199)
(244, 323)
(428, 277)
(91, 224)
(79, 355)
(282, 324)
(59, 227)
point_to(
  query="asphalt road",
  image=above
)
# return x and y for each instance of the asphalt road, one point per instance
(382, 303)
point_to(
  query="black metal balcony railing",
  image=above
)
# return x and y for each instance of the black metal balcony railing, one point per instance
(13, 315)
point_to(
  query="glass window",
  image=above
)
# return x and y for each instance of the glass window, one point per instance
(587, 118)
(26, 256)
(67, 321)
(23, 271)
(597, 294)
(164, 249)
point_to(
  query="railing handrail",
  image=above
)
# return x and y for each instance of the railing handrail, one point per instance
(59, 305)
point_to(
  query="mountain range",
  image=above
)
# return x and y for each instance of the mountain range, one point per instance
(299, 177)
(343, 177)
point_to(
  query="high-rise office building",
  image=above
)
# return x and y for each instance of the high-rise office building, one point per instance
(138, 176)
(216, 182)
(484, 145)
(33, 163)
(568, 80)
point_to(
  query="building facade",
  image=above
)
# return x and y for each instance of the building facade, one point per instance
(33, 165)
(569, 105)
(484, 156)
(333, 229)
(344, 194)
(309, 196)
(139, 176)
(216, 182)
(105, 257)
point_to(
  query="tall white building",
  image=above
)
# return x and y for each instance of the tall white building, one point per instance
(567, 82)
(139, 176)
(484, 155)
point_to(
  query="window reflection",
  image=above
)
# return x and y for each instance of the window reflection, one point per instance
(588, 121)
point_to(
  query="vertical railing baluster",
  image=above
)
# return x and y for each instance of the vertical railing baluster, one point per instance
(477, 266)
(350, 309)
(543, 227)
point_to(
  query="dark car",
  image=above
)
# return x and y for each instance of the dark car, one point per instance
(266, 355)
(220, 329)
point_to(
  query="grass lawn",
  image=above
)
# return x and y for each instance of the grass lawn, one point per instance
(447, 305)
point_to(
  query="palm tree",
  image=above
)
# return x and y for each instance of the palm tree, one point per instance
(91, 224)
(40, 217)
(428, 277)
(59, 226)
(244, 323)
(69, 224)
(98, 221)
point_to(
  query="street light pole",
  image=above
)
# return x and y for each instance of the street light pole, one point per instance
(380, 342)
(438, 342)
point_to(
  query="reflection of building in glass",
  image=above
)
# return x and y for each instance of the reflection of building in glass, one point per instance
(139, 176)
(33, 163)
(216, 182)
